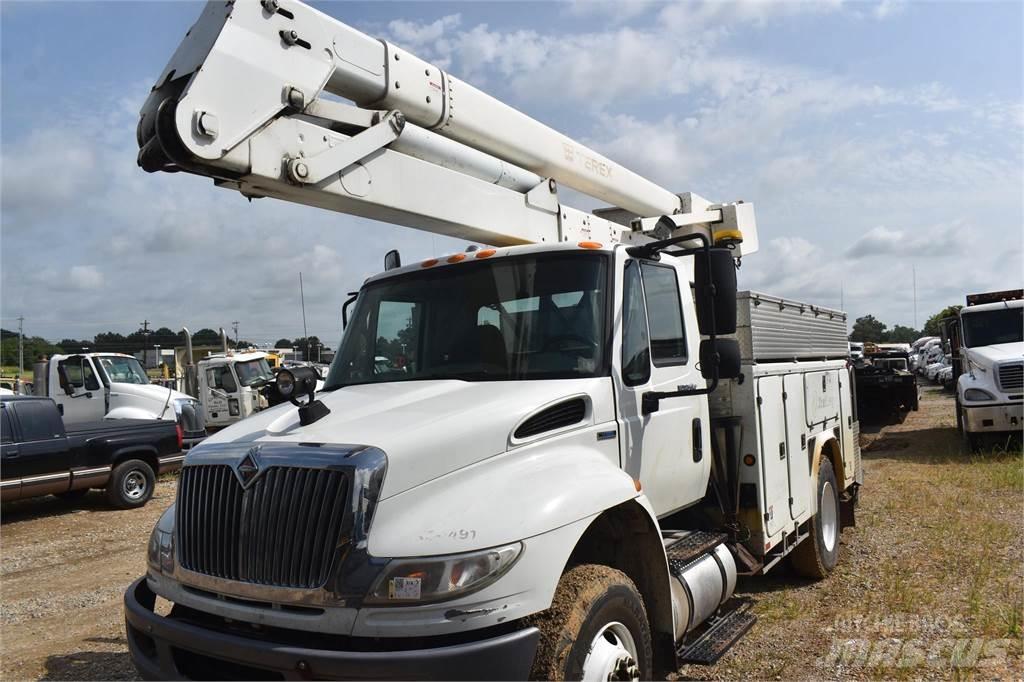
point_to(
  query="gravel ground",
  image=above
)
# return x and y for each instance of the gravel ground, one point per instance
(930, 582)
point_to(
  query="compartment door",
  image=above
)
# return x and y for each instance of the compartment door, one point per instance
(846, 424)
(796, 443)
(774, 470)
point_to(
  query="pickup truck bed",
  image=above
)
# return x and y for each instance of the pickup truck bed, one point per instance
(41, 457)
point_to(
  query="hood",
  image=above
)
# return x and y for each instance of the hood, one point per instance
(426, 428)
(156, 395)
(987, 356)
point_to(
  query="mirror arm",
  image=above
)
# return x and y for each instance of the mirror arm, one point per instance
(353, 295)
(651, 399)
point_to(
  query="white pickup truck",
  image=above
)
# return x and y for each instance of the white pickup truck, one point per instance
(92, 386)
(990, 389)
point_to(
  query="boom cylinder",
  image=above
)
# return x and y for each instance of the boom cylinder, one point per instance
(281, 54)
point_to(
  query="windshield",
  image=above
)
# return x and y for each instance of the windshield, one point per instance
(123, 370)
(253, 372)
(527, 317)
(992, 326)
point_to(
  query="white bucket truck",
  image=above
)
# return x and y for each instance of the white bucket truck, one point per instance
(588, 437)
(92, 386)
(990, 388)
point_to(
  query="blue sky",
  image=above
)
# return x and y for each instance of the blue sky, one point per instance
(873, 138)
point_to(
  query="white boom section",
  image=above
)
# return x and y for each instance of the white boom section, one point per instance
(246, 100)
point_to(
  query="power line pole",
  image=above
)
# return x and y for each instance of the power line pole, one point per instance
(913, 270)
(305, 333)
(235, 325)
(21, 347)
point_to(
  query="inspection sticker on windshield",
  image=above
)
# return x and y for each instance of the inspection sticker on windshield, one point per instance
(404, 588)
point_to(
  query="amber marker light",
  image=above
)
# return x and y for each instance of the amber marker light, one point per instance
(457, 258)
(429, 263)
(589, 245)
(486, 253)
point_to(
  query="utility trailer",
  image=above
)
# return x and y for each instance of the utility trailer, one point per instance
(580, 448)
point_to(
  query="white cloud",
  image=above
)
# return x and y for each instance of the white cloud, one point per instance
(412, 35)
(85, 277)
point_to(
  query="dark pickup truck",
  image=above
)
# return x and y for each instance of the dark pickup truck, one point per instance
(40, 457)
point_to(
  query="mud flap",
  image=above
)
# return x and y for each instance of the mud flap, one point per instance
(847, 505)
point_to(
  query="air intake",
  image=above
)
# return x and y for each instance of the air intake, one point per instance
(551, 418)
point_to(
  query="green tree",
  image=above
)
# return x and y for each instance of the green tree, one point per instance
(901, 334)
(206, 337)
(931, 327)
(867, 328)
(74, 345)
(110, 342)
(283, 343)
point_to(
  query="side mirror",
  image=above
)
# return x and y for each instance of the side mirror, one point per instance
(62, 377)
(714, 281)
(392, 260)
(723, 354)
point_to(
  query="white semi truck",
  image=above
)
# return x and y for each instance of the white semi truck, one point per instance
(589, 435)
(990, 388)
(92, 386)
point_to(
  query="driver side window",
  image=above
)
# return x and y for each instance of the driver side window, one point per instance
(636, 352)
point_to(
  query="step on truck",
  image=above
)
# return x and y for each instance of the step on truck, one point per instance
(589, 434)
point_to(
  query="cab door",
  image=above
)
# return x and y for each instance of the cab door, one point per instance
(666, 450)
(81, 397)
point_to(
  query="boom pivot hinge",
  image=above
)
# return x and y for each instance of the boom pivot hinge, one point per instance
(311, 170)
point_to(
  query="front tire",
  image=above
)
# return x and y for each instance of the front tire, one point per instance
(816, 556)
(596, 629)
(131, 484)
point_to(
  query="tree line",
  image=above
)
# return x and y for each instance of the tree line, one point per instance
(868, 328)
(114, 342)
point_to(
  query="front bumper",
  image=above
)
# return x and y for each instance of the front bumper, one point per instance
(166, 648)
(993, 418)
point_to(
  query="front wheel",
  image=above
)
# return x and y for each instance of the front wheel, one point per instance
(816, 556)
(131, 484)
(596, 629)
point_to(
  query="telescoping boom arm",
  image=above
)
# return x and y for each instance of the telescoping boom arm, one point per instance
(252, 98)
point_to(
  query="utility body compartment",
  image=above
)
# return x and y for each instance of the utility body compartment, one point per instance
(794, 394)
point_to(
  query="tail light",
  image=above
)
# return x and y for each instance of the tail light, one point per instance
(181, 435)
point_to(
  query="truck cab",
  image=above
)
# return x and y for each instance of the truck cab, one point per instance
(990, 389)
(229, 386)
(91, 386)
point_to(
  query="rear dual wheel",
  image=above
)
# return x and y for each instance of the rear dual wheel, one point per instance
(816, 556)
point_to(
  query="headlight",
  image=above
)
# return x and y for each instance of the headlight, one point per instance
(408, 581)
(160, 555)
(974, 394)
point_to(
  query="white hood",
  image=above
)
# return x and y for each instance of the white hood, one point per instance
(426, 428)
(149, 397)
(988, 356)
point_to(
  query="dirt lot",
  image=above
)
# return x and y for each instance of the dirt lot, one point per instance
(930, 583)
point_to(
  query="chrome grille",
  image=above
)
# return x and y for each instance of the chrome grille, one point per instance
(1011, 377)
(282, 530)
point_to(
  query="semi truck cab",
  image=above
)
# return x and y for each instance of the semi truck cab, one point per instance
(229, 386)
(990, 388)
(91, 386)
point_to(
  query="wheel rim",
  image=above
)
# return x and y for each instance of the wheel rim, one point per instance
(829, 514)
(134, 485)
(612, 655)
